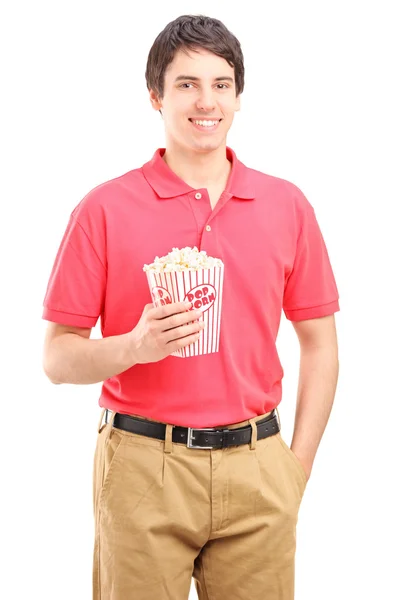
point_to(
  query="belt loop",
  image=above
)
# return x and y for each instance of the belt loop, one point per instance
(99, 426)
(253, 433)
(110, 424)
(168, 438)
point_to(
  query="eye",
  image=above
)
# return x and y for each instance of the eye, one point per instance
(223, 84)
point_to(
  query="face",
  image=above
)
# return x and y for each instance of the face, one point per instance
(198, 86)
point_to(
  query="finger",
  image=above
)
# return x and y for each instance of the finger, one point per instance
(184, 318)
(162, 312)
(181, 343)
(180, 332)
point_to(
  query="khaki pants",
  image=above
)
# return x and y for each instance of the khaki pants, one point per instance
(165, 513)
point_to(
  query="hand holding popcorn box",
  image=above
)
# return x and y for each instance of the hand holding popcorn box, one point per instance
(188, 275)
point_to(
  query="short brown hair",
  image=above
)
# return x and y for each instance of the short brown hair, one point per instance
(192, 32)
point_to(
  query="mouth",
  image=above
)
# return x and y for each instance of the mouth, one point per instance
(208, 126)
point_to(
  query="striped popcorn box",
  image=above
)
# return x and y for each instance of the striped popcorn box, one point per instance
(201, 287)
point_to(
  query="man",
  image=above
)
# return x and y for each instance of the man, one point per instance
(220, 501)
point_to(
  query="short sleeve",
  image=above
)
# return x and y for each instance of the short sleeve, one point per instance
(310, 289)
(76, 288)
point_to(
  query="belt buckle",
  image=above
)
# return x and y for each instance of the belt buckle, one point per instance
(189, 443)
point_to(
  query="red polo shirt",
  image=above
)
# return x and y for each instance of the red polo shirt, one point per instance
(266, 233)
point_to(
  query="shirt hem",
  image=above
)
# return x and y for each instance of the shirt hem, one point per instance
(64, 318)
(313, 312)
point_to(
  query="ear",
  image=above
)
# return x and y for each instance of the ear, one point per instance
(237, 104)
(156, 104)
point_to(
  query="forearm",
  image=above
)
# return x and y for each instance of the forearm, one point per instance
(319, 369)
(75, 359)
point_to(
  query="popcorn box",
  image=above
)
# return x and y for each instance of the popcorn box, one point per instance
(201, 287)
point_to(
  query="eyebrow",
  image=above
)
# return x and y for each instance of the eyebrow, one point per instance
(192, 78)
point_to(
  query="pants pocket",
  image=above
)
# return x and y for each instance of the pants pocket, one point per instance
(295, 461)
(281, 484)
(105, 460)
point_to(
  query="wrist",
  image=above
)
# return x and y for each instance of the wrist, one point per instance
(130, 348)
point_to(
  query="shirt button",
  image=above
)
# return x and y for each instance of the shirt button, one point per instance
(197, 196)
(208, 228)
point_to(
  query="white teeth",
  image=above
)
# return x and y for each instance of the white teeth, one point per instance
(206, 123)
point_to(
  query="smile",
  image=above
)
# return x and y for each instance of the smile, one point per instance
(206, 125)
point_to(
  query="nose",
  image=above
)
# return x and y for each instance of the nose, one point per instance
(206, 101)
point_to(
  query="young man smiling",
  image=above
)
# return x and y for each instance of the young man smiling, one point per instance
(199, 90)
(191, 475)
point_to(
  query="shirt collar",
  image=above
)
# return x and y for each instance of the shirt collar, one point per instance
(167, 184)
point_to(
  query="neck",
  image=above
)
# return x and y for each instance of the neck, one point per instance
(199, 169)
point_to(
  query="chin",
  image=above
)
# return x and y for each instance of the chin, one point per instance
(209, 144)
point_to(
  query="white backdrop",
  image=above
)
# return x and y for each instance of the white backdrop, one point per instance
(320, 108)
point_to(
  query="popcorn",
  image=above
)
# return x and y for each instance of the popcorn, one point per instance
(186, 259)
(189, 275)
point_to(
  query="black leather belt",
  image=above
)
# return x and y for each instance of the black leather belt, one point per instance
(207, 438)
